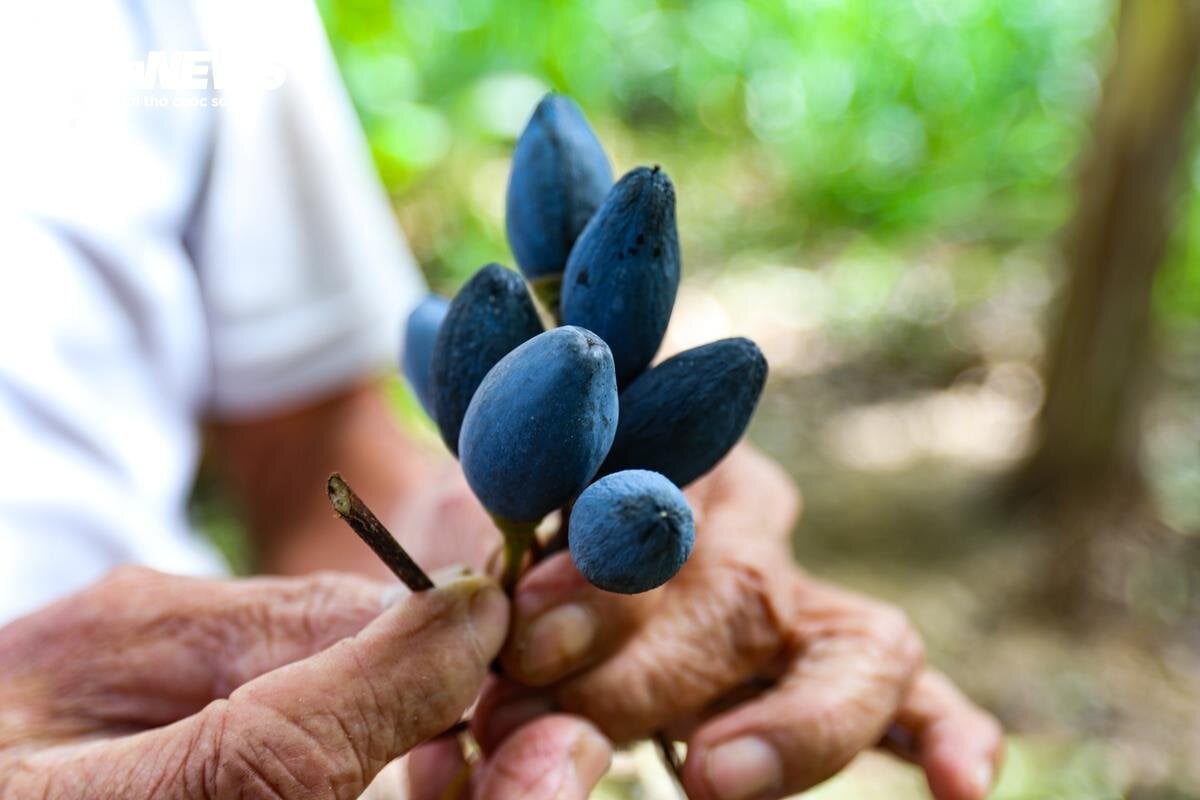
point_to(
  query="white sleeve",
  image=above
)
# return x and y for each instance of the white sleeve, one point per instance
(305, 274)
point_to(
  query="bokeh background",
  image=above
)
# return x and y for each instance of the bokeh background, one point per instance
(966, 234)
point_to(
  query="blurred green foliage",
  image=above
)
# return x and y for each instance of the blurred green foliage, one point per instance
(790, 119)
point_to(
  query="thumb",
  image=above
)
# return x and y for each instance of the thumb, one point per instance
(340, 716)
(325, 726)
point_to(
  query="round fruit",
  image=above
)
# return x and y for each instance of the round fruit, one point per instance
(631, 531)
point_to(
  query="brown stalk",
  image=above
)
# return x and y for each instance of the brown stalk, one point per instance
(362, 521)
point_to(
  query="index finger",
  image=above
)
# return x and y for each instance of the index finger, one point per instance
(563, 624)
(146, 648)
(854, 663)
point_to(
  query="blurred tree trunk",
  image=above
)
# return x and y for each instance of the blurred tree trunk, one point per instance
(1084, 469)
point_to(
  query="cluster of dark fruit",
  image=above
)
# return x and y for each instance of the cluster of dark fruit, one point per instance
(572, 418)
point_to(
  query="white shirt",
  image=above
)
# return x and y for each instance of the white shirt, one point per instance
(161, 265)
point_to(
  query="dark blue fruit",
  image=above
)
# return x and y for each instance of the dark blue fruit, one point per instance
(683, 416)
(540, 424)
(489, 316)
(419, 335)
(623, 273)
(631, 531)
(559, 178)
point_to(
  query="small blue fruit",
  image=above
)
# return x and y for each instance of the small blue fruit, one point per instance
(631, 531)
(490, 315)
(420, 332)
(559, 178)
(623, 273)
(681, 417)
(540, 424)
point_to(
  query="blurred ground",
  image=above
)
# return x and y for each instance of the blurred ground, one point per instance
(902, 459)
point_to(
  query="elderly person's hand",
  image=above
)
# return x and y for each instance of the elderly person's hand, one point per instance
(775, 680)
(151, 686)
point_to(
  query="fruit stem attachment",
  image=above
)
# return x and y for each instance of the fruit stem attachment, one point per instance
(518, 538)
(363, 522)
(547, 289)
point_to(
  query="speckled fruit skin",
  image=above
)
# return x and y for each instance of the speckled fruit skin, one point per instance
(560, 176)
(540, 424)
(491, 315)
(681, 417)
(623, 273)
(631, 531)
(420, 332)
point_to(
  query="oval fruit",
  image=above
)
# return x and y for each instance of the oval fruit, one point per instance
(540, 424)
(489, 316)
(681, 417)
(560, 176)
(623, 273)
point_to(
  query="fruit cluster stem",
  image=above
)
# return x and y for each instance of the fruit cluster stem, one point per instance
(518, 538)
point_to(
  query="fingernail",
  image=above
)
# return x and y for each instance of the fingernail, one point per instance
(557, 639)
(983, 779)
(744, 768)
(590, 756)
(489, 617)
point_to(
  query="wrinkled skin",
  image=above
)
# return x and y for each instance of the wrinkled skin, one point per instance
(741, 648)
(116, 689)
(153, 686)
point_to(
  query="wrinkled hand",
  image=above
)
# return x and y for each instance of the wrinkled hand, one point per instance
(775, 680)
(151, 686)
